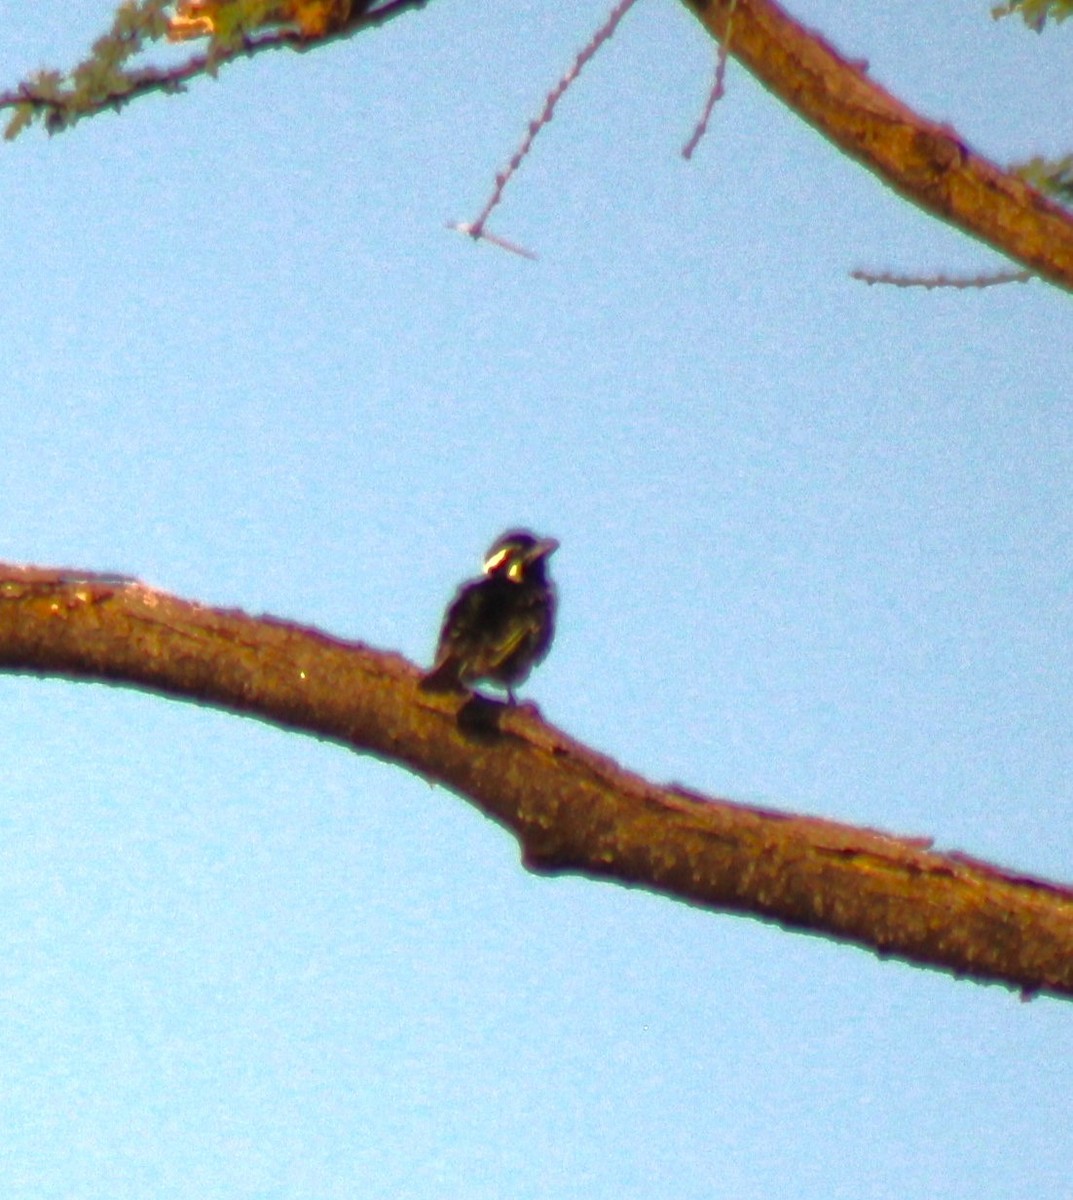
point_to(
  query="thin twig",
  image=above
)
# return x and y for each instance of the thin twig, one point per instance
(943, 281)
(718, 90)
(475, 229)
(484, 236)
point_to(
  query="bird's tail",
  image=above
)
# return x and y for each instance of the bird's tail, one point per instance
(442, 678)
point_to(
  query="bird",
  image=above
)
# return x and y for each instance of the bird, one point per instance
(500, 625)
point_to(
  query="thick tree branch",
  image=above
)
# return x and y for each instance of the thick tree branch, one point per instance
(925, 162)
(572, 809)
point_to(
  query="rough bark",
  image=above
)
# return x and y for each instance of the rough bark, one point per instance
(572, 809)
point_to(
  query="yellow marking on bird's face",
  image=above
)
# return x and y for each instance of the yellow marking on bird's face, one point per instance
(495, 561)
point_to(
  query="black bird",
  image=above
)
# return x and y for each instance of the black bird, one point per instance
(498, 627)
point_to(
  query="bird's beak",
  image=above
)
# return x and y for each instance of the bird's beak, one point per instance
(543, 548)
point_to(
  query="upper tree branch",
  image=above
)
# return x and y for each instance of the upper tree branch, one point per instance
(926, 162)
(62, 103)
(572, 809)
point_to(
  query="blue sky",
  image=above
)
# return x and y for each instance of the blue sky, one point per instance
(815, 554)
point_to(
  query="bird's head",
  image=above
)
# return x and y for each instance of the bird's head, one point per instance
(519, 556)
